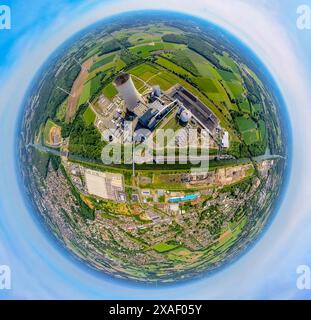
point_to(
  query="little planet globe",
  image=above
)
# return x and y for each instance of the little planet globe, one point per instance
(159, 220)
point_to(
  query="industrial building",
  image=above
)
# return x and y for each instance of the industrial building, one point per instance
(105, 185)
(225, 140)
(156, 112)
(199, 110)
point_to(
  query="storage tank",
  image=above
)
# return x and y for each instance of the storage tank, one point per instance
(127, 91)
(185, 116)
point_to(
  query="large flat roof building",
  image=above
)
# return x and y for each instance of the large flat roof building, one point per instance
(197, 108)
(225, 140)
(105, 185)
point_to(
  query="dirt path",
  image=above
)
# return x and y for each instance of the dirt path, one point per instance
(76, 90)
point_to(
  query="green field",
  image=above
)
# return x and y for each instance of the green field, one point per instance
(95, 84)
(165, 80)
(250, 137)
(172, 67)
(163, 29)
(227, 76)
(151, 34)
(245, 107)
(262, 130)
(206, 85)
(105, 60)
(145, 51)
(163, 247)
(227, 62)
(236, 88)
(245, 124)
(110, 91)
(142, 37)
(202, 65)
(248, 129)
(144, 71)
(105, 69)
(89, 116)
(256, 107)
(120, 64)
(92, 51)
(86, 93)
(139, 84)
(61, 111)
(180, 58)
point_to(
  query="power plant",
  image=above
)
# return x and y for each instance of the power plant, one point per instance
(127, 91)
(148, 109)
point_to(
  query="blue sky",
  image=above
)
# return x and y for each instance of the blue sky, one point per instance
(29, 17)
(39, 268)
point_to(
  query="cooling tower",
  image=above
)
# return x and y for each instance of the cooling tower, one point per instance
(127, 91)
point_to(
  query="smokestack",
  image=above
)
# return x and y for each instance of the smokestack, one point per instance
(127, 91)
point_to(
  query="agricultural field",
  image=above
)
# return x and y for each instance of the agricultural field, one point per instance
(107, 68)
(89, 116)
(206, 85)
(86, 92)
(172, 66)
(165, 80)
(140, 85)
(227, 62)
(180, 58)
(144, 37)
(147, 35)
(248, 129)
(110, 91)
(103, 61)
(95, 84)
(201, 64)
(78, 89)
(61, 111)
(144, 71)
(236, 88)
(164, 247)
(262, 130)
(245, 106)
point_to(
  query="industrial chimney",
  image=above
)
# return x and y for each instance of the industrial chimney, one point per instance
(127, 91)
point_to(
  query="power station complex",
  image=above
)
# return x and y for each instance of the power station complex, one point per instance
(147, 110)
